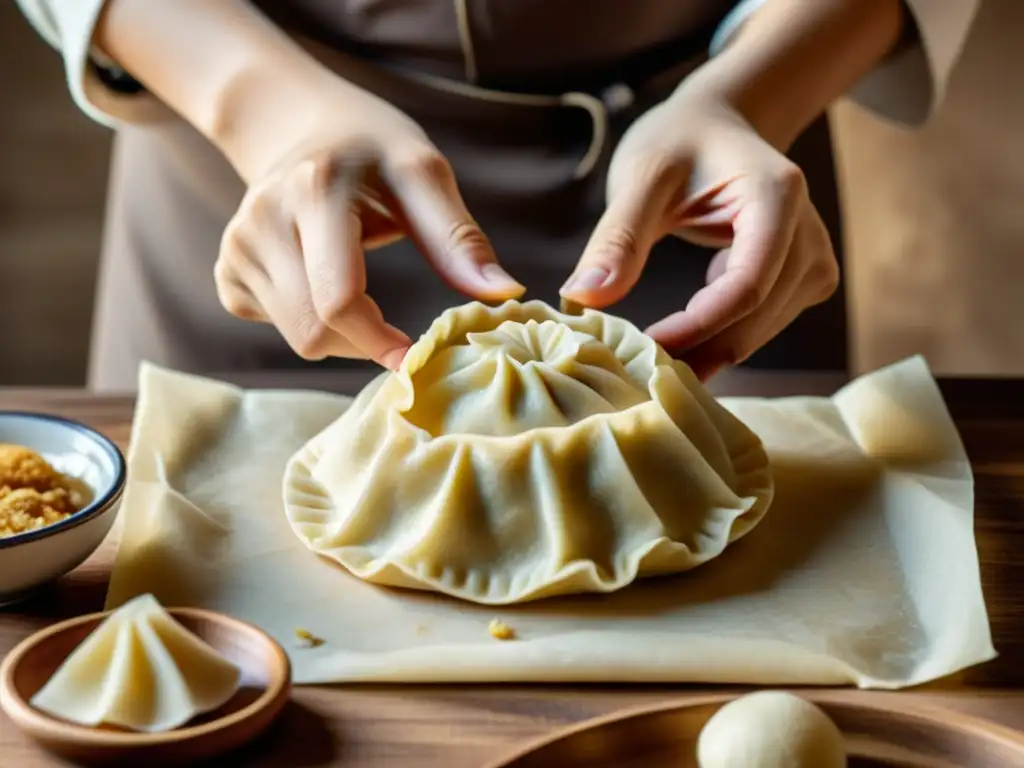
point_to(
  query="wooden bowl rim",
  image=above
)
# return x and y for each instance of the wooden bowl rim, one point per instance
(929, 713)
(27, 717)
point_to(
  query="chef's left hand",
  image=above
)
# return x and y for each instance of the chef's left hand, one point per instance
(694, 167)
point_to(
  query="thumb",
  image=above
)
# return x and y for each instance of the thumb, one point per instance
(446, 233)
(617, 251)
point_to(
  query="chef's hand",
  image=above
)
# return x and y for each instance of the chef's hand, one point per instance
(332, 171)
(693, 167)
(339, 174)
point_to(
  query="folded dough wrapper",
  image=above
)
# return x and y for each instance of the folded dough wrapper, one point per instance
(864, 570)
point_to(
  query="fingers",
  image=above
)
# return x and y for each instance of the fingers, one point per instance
(236, 298)
(294, 254)
(275, 292)
(618, 249)
(706, 236)
(706, 219)
(439, 223)
(762, 235)
(330, 232)
(744, 338)
(379, 228)
(740, 341)
(810, 276)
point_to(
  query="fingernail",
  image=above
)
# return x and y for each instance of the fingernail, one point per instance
(589, 279)
(393, 360)
(499, 278)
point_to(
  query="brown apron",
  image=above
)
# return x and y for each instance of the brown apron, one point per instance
(523, 98)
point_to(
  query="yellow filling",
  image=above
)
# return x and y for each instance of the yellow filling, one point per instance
(33, 494)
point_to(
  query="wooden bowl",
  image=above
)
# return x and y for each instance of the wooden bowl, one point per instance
(666, 735)
(265, 687)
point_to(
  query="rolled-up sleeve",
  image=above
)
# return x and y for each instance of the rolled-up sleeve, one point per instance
(98, 87)
(911, 83)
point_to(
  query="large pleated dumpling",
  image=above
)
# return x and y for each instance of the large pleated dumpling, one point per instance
(521, 453)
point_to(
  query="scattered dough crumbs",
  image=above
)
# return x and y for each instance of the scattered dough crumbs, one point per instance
(500, 630)
(32, 493)
(311, 640)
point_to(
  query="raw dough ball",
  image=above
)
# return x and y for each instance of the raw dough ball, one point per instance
(770, 729)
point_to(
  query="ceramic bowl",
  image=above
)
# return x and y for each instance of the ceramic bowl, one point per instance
(32, 559)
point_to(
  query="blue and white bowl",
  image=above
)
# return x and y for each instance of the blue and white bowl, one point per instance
(31, 559)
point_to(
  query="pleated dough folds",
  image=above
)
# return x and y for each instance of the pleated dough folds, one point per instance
(522, 453)
(140, 670)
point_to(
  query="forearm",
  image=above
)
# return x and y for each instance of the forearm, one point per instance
(793, 58)
(221, 65)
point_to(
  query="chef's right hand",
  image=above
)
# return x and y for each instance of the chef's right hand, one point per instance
(345, 173)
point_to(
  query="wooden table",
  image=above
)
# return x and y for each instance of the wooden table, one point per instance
(464, 727)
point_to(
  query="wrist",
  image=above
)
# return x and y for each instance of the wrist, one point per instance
(262, 109)
(721, 88)
(222, 66)
(791, 59)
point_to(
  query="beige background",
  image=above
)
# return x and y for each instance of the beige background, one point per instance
(934, 232)
(53, 169)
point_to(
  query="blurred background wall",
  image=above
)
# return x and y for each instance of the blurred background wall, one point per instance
(53, 173)
(53, 168)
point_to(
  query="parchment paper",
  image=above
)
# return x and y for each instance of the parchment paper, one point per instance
(864, 570)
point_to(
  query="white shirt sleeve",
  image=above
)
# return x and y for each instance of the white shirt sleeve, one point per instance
(68, 26)
(911, 83)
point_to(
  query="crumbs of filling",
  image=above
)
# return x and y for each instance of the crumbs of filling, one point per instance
(500, 630)
(308, 639)
(33, 494)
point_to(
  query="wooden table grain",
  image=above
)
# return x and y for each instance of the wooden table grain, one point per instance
(466, 727)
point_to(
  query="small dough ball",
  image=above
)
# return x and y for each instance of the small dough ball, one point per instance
(770, 729)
